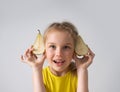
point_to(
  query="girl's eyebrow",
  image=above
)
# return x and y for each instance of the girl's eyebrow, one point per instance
(64, 44)
(55, 43)
(51, 43)
(69, 44)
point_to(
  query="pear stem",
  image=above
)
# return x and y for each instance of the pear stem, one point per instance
(38, 31)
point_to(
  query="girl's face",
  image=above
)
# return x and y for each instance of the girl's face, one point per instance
(59, 50)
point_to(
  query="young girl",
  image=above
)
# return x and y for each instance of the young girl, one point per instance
(66, 72)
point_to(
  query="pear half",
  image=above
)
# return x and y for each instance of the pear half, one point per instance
(38, 44)
(81, 48)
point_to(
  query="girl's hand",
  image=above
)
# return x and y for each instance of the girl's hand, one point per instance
(31, 59)
(85, 61)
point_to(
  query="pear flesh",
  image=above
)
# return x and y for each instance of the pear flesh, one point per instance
(38, 45)
(81, 48)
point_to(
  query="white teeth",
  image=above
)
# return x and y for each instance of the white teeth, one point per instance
(57, 61)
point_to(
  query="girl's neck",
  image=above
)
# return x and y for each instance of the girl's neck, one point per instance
(59, 73)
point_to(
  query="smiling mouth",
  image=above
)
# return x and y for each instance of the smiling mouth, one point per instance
(59, 63)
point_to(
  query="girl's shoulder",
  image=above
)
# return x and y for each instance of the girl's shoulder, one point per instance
(45, 69)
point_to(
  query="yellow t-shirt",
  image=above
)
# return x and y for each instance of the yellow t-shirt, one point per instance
(53, 83)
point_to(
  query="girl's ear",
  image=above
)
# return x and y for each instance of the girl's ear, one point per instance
(81, 48)
(74, 54)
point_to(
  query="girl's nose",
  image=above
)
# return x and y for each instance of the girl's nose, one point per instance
(58, 52)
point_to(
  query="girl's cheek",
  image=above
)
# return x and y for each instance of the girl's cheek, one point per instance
(49, 53)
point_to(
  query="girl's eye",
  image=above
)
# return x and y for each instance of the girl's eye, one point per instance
(66, 47)
(52, 46)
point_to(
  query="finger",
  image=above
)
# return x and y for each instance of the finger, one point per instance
(44, 52)
(90, 59)
(42, 59)
(90, 52)
(22, 58)
(29, 52)
(26, 52)
(75, 57)
(31, 48)
(35, 56)
(77, 60)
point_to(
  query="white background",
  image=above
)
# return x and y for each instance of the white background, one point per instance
(98, 22)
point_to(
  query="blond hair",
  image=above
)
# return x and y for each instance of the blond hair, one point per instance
(63, 26)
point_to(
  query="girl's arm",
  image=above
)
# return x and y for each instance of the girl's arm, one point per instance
(82, 80)
(36, 64)
(82, 72)
(38, 80)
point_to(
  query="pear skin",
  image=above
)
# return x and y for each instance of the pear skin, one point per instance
(81, 48)
(38, 45)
